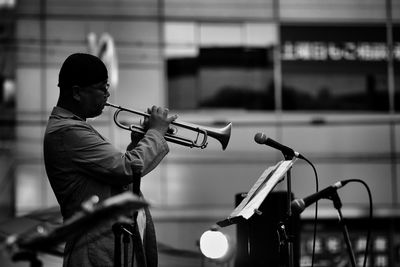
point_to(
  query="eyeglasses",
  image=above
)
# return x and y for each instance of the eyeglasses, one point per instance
(100, 87)
(103, 88)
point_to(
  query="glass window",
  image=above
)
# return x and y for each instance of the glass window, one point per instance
(324, 67)
(220, 66)
(335, 68)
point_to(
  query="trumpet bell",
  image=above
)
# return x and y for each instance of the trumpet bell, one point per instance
(222, 135)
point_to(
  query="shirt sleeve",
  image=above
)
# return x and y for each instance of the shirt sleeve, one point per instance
(98, 158)
(151, 149)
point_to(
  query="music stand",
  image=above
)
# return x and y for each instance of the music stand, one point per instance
(249, 206)
(258, 192)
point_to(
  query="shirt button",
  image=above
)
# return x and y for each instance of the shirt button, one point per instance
(125, 187)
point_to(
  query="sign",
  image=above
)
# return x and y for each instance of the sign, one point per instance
(349, 51)
(363, 43)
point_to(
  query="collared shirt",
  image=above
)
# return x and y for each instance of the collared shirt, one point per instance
(81, 163)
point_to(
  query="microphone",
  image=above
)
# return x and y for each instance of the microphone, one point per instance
(299, 205)
(262, 139)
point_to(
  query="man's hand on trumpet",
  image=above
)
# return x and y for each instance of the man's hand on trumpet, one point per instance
(159, 119)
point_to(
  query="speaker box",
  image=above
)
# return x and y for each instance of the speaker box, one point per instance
(258, 240)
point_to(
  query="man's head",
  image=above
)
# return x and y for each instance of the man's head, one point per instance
(83, 84)
(82, 70)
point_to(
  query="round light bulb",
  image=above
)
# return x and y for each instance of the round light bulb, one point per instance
(214, 244)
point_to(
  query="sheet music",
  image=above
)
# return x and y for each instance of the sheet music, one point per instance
(264, 185)
(254, 189)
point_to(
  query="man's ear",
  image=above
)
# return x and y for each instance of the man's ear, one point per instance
(76, 93)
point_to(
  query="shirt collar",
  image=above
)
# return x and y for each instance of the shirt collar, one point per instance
(64, 113)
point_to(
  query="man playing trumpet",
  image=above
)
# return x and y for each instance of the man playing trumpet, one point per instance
(81, 163)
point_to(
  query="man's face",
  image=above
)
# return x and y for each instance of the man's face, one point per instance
(93, 99)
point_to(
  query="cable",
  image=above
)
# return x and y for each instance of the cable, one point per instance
(316, 209)
(370, 216)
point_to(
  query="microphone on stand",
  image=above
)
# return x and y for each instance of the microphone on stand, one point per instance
(299, 205)
(262, 139)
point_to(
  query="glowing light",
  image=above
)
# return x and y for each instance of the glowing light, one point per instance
(214, 244)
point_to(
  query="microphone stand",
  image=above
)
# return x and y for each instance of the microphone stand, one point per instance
(338, 204)
(126, 231)
(288, 154)
(135, 190)
(289, 240)
(286, 237)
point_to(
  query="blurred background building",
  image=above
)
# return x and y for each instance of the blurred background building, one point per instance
(321, 76)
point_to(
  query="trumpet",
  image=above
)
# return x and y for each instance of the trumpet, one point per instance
(222, 134)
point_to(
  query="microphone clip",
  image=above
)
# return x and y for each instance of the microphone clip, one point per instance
(282, 235)
(334, 196)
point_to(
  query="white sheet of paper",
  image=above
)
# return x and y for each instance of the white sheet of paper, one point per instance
(260, 190)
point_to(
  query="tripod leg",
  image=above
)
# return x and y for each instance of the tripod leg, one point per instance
(117, 244)
(126, 239)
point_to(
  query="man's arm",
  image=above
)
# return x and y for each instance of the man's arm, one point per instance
(101, 160)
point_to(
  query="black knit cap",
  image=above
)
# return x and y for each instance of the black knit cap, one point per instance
(82, 70)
